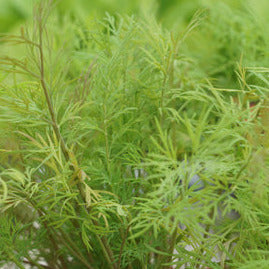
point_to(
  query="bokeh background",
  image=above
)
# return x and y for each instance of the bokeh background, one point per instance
(233, 31)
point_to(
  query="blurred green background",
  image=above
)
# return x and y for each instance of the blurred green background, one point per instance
(232, 31)
(169, 12)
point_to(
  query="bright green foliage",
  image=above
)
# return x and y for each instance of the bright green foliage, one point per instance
(126, 144)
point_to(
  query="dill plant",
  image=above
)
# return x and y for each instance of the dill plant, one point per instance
(117, 153)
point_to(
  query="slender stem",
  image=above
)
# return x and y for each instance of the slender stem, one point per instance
(122, 245)
(76, 225)
(107, 256)
(106, 138)
(162, 92)
(52, 239)
(52, 232)
(55, 246)
(15, 260)
(71, 246)
(207, 228)
(74, 249)
(56, 129)
(34, 263)
(46, 92)
(172, 245)
(106, 249)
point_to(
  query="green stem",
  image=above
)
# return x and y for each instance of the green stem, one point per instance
(57, 130)
(172, 246)
(46, 91)
(74, 249)
(34, 263)
(106, 249)
(106, 139)
(122, 246)
(15, 260)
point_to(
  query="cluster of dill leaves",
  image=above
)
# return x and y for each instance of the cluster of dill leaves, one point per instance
(128, 143)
